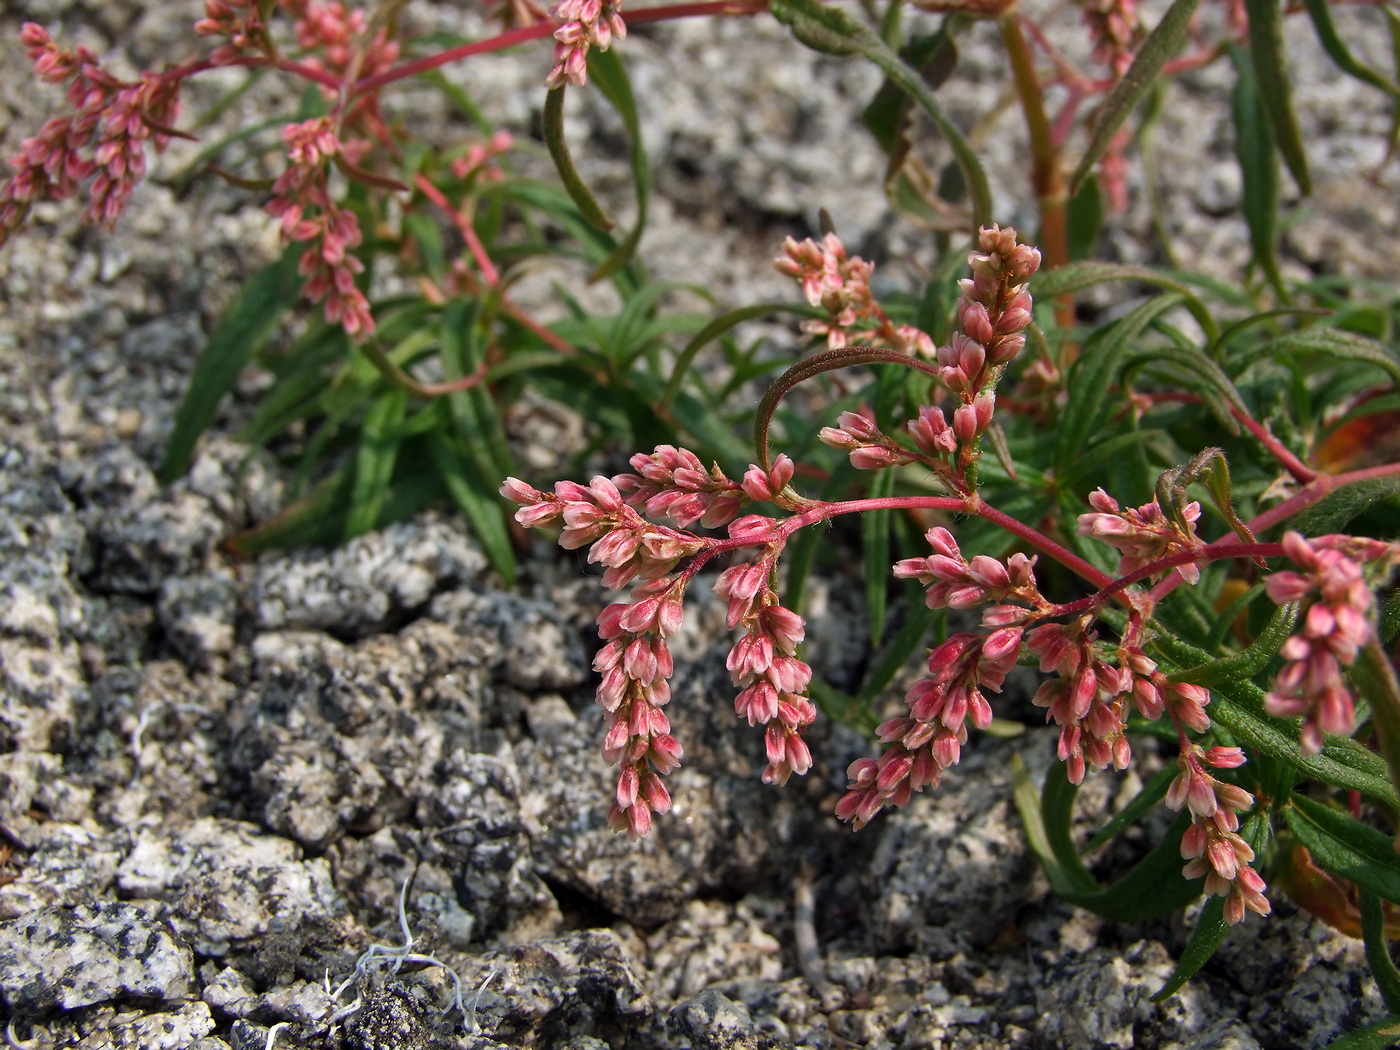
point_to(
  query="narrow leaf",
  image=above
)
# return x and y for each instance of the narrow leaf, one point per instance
(1027, 801)
(254, 313)
(1239, 707)
(1378, 951)
(610, 76)
(1321, 14)
(1057, 813)
(1379, 1036)
(875, 545)
(1329, 342)
(1153, 887)
(477, 498)
(1254, 148)
(1161, 44)
(1152, 792)
(1096, 369)
(1346, 847)
(828, 28)
(714, 330)
(1077, 276)
(1245, 665)
(578, 190)
(1335, 510)
(374, 461)
(1275, 87)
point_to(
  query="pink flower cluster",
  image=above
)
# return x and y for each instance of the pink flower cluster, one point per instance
(1144, 535)
(765, 664)
(336, 39)
(673, 483)
(929, 741)
(841, 286)
(241, 22)
(868, 447)
(1336, 624)
(103, 141)
(635, 662)
(303, 204)
(993, 312)
(1212, 844)
(479, 155)
(582, 24)
(1115, 31)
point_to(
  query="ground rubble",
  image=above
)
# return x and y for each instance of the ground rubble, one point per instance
(352, 798)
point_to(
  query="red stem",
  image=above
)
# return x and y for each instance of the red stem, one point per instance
(1291, 463)
(464, 227)
(535, 32)
(286, 65)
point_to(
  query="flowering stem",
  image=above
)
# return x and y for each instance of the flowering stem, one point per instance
(972, 504)
(401, 379)
(1291, 463)
(1316, 489)
(286, 65)
(464, 227)
(539, 30)
(1199, 556)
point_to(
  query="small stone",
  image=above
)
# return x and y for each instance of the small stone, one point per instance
(64, 958)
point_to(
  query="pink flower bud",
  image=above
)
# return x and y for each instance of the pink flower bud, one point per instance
(965, 423)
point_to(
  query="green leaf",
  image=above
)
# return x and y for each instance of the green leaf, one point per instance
(254, 313)
(1275, 86)
(374, 461)
(1161, 44)
(1329, 342)
(830, 29)
(1153, 887)
(1335, 510)
(1152, 792)
(1390, 617)
(579, 193)
(714, 330)
(1057, 814)
(1245, 665)
(1378, 952)
(1211, 927)
(1077, 276)
(1084, 217)
(918, 622)
(608, 73)
(1321, 14)
(1379, 1036)
(1346, 847)
(1254, 148)
(1239, 708)
(1028, 805)
(1094, 372)
(477, 498)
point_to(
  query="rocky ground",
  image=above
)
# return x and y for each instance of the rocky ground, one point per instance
(352, 798)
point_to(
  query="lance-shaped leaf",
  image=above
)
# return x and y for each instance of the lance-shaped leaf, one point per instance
(610, 76)
(828, 28)
(254, 313)
(1346, 847)
(1321, 14)
(1077, 276)
(1275, 88)
(1161, 44)
(579, 193)
(1254, 148)
(1245, 665)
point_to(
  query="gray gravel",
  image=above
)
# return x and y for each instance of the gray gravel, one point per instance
(230, 771)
